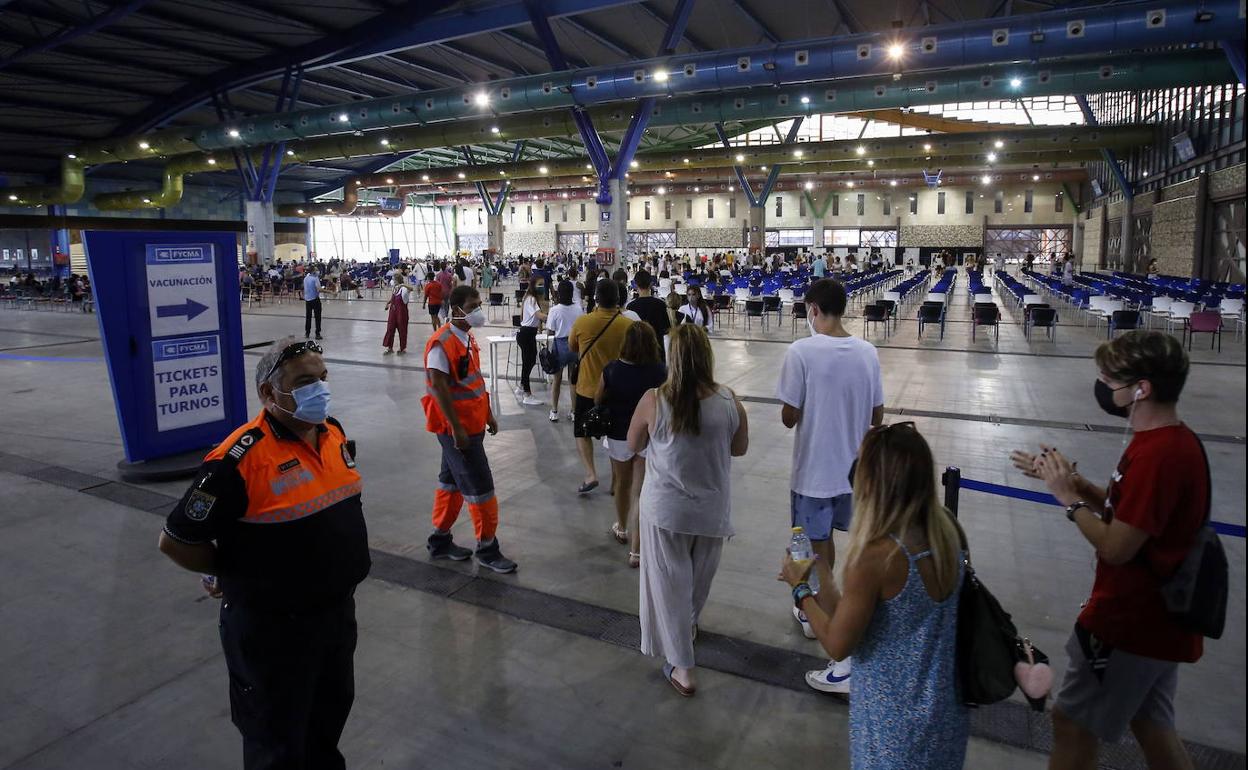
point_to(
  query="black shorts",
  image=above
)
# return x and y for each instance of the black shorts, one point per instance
(580, 405)
(435, 310)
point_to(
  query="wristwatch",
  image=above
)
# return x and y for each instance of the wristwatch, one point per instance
(800, 592)
(1070, 509)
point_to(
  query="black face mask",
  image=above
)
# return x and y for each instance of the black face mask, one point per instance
(1105, 399)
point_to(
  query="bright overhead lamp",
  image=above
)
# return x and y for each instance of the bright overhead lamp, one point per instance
(343, 117)
(632, 164)
(300, 211)
(870, 163)
(660, 75)
(986, 179)
(71, 156)
(686, 160)
(697, 189)
(892, 183)
(805, 100)
(589, 166)
(389, 180)
(358, 182)
(731, 188)
(493, 129)
(1016, 82)
(385, 142)
(896, 51)
(233, 133)
(12, 197)
(565, 195)
(810, 185)
(502, 173)
(850, 183)
(144, 146)
(662, 190)
(927, 147)
(762, 168)
(290, 153)
(424, 177)
(992, 157)
(147, 200)
(543, 170)
(740, 157)
(481, 99)
(461, 175)
(211, 161)
(998, 144)
(1035, 177)
(861, 150)
(797, 153)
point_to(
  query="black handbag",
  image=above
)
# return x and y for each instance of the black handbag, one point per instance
(988, 643)
(547, 359)
(596, 421)
(574, 367)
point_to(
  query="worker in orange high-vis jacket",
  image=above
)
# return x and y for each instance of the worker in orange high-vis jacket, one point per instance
(457, 410)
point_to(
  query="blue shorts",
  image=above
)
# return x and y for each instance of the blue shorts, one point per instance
(819, 515)
(563, 353)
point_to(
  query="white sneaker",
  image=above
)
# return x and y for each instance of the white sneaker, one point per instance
(833, 679)
(532, 401)
(800, 617)
(554, 416)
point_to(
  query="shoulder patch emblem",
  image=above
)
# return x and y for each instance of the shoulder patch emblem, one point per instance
(346, 457)
(199, 505)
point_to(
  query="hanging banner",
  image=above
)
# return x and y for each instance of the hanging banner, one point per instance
(169, 314)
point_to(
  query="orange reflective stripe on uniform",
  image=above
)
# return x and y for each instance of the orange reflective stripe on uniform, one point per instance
(469, 396)
(305, 508)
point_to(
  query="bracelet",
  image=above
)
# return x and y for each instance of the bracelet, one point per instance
(800, 592)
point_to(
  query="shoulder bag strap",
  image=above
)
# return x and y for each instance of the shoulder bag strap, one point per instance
(584, 352)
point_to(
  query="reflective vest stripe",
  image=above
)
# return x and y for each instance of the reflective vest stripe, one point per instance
(306, 508)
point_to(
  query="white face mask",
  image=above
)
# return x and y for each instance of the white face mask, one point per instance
(475, 319)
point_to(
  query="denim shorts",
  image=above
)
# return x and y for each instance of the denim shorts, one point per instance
(563, 354)
(818, 516)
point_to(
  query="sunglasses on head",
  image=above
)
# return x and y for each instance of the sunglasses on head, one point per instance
(293, 351)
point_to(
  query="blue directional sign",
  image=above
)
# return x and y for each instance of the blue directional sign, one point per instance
(169, 313)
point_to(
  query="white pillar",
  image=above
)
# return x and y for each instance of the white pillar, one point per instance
(494, 233)
(758, 227)
(260, 238)
(612, 221)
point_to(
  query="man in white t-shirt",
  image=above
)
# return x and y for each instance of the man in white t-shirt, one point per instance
(831, 390)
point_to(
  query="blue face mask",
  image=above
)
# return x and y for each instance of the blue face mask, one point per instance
(311, 402)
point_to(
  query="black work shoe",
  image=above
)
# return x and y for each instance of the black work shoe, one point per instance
(491, 557)
(443, 547)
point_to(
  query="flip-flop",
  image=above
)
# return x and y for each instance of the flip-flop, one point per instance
(585, 489)
(686, 692)
(620, 535)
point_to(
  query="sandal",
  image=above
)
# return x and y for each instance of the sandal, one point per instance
(586, 488)
(620, 535)
(668, 670)
(634, 560)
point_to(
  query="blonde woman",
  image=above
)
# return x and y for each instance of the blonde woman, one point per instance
(897, 612)
(690, 427)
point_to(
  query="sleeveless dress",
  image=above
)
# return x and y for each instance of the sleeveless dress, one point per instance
(904, 707)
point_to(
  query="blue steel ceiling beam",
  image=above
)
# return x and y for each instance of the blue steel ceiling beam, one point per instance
(754, 21)
(585, 126)
(738, 170)
(1111, 158)
(1234, 50)
(645, 107)
(74, 31)
(774, 173)
(665, 20)
(847, 17)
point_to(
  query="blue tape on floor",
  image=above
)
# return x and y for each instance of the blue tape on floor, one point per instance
(1221, 527)
(56, 359)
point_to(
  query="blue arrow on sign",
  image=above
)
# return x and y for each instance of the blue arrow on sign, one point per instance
(190, 309)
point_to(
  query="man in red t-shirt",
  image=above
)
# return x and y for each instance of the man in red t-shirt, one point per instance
(1126, 648)
(434, 296)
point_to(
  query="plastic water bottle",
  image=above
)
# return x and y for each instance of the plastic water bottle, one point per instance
(804, 553)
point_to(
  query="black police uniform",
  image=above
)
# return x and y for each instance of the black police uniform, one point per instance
(288, 524)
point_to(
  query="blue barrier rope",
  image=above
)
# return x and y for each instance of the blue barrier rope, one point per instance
(1221, 527)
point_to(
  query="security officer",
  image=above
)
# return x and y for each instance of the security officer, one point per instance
(275, 516)
(457, 409)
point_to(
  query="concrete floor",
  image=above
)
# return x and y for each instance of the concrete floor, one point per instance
(109, 651)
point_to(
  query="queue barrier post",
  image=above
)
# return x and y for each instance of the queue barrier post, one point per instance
(952, 480)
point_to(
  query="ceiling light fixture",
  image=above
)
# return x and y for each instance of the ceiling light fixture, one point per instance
(212, 161)
(861, 150)
(850, 183)
(927, 147)
(797, 153)
(661, 190)
(493, 129)
(144, 145)
(290, 153)
(233, 133)
(740, 157)
(385, 142)
(343, 117)
(992, 157)
(1035, 177)
(424, 177)
(870, 163)
(805, 100)
(389, 180)
(481, 98)
(632, 164)
(896, 51)
(71, 156)
(461, 175)
(660, 75)
(1016, 82)
(986, 179)
(892, 183)
(686, 160)
(998, 144)
(809, 185)
(543, 170)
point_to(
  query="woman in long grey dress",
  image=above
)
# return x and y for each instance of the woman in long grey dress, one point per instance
(691, 428)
